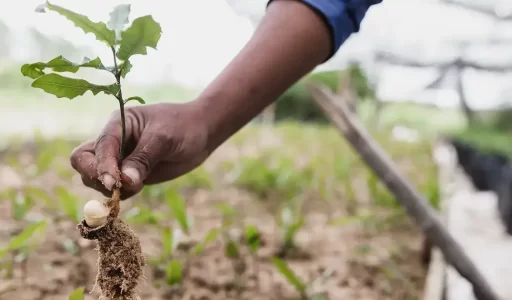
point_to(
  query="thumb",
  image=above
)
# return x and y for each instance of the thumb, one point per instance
(150, 150)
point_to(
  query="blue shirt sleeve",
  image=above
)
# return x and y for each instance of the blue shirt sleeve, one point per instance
(343, 17)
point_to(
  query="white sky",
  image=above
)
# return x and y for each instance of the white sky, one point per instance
(201, 36)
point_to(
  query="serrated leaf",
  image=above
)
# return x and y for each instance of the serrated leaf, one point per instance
(77, 294)
(135, 98)
(61, 64)
(126, 67)
(173, 272)
(118, 19)
(144, 32)
(99, 29)
(22, 238)
(65, 87)
(210, 237)
(178, 209)
(283, 268)
(29, 70)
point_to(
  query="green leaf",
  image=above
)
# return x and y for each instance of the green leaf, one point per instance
(118, 19)
(144, 32)
(167, 242)
(232, 249)
(178, 208)
(283, 268)
(29, 70)
(135, 98)
(210, 237)
(126, 67)
(77, 294)
(60, 64)
(21, 204)
(69, 203)
(39, 194)
(99, 29)
(65, 87)
(22, 239)
(252, 237)
(291, 230)
(173, 272)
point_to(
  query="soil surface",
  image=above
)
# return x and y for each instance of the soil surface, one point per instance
(347, 261)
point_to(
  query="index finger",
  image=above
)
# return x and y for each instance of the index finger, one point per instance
(106, 151)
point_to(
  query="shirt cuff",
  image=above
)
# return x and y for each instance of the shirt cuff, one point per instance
(341, 17)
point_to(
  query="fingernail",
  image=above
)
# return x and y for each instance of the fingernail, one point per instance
(108, 181)
(132, 173)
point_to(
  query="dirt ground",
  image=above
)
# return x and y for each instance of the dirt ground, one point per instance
(347, 262)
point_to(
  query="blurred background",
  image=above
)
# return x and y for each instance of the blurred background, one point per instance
(418, 69)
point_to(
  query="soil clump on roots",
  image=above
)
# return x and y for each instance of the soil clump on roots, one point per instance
(120, 258)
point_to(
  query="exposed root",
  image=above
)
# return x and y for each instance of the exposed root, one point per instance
(120, 259)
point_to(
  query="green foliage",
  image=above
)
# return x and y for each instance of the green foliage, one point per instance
(271, 171)
(252, 237)
(364, 90)
(135, 98)
(22, 239)
(71, 88)
(288, 273)
(21, 203)
(173, 272)
(99, 29)
(70, 203)
(487, 138)
(77, 294)
(59, 64)
(297, 104)
(209, 238)
(144, 32)
(168, 242)
(290, 222)
(178, 209)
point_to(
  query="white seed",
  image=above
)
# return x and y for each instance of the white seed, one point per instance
(95, 213)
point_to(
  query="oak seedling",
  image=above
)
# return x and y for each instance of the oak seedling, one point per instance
(120, 261)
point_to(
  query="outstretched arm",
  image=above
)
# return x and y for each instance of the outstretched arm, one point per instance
(292, 39)
(171, 139)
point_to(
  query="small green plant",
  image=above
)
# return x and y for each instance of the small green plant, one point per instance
(77, 294)
(178, 209)
(19, 246)
(143, 33)
(290, 221)
(304, 289)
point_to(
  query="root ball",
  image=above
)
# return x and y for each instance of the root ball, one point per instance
(120, 259)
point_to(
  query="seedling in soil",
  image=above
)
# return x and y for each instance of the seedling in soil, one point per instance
(19, 247)
(120, 259)
(290, 221)
(304, 289)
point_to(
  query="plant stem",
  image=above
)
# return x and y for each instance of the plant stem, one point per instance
(119, 97)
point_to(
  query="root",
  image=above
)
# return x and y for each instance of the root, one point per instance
(120, 258)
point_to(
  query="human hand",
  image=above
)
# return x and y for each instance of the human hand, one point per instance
(163, 141)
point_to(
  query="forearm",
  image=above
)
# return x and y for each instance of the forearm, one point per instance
(291, 40)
